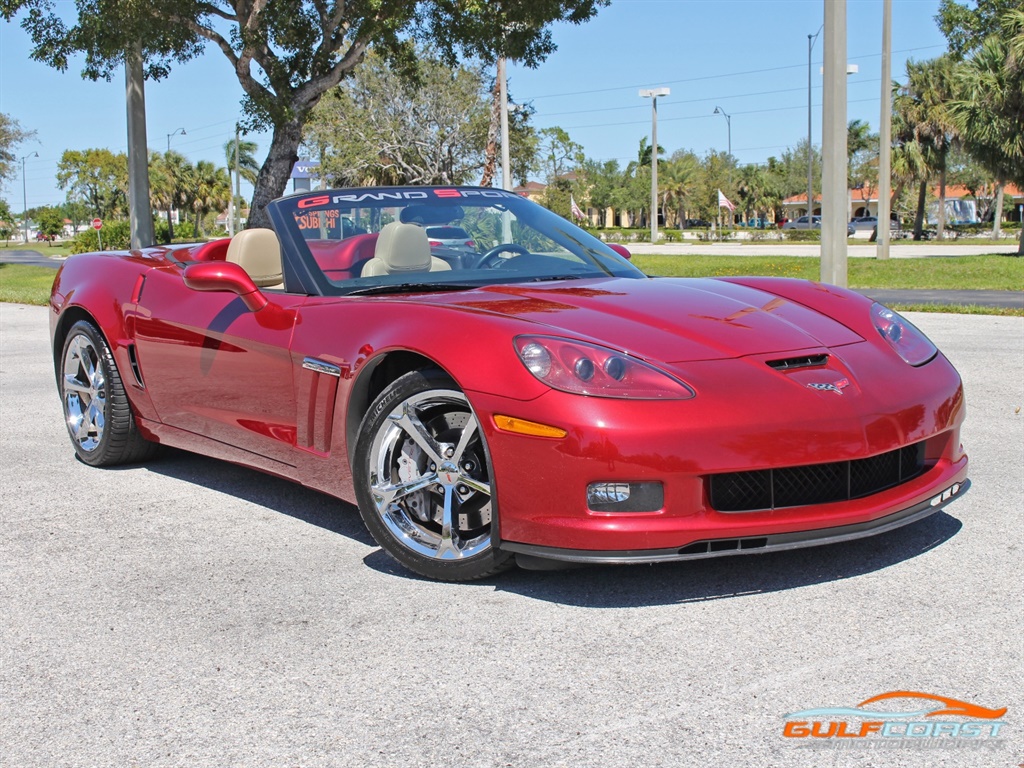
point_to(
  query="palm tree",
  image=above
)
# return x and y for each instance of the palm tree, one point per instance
(248, 167)
(988, 108)
(677, 180)
(757, 190)
(924, 109)
(212, 191)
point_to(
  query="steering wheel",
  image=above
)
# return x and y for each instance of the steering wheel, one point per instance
(490, 259)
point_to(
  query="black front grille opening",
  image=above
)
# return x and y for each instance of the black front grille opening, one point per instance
(803, 361)
(767, 489)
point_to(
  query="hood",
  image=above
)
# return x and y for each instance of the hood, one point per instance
(672, 320)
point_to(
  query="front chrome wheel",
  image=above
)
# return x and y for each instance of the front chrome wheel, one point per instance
(84, 387)
(428, 485)
(97, 412)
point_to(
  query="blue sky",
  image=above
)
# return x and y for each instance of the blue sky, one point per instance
(748, 57)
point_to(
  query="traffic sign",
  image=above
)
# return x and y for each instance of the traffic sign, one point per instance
(97, 223)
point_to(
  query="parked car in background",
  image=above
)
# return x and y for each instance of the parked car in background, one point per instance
(451, 239)
(801, 223)
(695, 224)
(870, 223)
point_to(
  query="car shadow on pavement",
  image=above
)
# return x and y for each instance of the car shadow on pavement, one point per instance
(593, 586)
(721, 578)
(274, 493)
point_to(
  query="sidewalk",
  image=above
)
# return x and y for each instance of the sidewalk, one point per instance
(782, 248)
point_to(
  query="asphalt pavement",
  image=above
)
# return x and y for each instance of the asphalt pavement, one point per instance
(193, 613)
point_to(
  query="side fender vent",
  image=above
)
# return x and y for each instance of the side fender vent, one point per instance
(133, 359)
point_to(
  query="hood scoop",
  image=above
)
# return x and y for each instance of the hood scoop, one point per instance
(803, 361)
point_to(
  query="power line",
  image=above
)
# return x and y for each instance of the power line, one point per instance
(801, 65)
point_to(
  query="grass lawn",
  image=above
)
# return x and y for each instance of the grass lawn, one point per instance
(23, 284)
(993, 272)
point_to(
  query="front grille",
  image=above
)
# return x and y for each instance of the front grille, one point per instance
(814, 483)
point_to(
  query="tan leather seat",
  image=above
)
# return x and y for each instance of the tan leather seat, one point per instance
(402, 248)
(258, 252)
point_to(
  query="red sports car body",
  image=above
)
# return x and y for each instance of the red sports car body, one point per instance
(543, 401)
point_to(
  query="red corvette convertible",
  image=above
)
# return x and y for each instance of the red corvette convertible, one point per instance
(537, 401)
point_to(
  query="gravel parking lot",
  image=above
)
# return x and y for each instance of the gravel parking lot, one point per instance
(193, 613)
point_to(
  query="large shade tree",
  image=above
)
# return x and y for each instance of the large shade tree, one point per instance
(287, 54)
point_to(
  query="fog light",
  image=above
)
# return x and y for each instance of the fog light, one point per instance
(613, 496)
(607, 493)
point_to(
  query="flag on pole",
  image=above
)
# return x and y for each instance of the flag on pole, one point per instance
(723, 202)
(576, 212)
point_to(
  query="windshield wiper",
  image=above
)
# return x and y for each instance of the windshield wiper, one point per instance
(374, 290)
(570, 276)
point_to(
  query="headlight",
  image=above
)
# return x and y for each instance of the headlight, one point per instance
(587, 369)
(907, 341)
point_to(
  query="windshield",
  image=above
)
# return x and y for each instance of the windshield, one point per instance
(381, 239)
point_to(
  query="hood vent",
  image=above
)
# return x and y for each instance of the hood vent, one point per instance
(804, 361)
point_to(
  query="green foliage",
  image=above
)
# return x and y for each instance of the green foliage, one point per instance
(11, 135)
(97, 177)
(802, 235)
(380, 127)
(288, 53)
(558, 154)
(50, 222)
(116, 236)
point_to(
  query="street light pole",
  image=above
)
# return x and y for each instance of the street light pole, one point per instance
(811, 40)
(24, 194)
(728, 121)
(174, 133)
(170, 206)
(885, 136)
(653, 94)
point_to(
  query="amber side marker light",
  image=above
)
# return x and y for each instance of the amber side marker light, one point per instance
(524, 427)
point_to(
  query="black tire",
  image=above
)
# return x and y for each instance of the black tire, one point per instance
(420, 453)
(97, 413)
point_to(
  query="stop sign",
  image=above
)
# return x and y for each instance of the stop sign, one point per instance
(97, 223)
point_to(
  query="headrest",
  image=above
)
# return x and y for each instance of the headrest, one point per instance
(258, 252)
(403, 248)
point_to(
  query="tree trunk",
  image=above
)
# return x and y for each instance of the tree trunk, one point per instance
(997, 214)
(919, 218)
(273, 176)
(940, 224)
(491, 153)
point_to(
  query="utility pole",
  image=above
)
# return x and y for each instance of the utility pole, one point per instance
(506, 164)
(653, 94)
(24, 194)
(885, 136)
(140, 211)
(170, 207)
(834, 188)
(232, 205)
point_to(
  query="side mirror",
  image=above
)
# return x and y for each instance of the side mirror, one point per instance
(227, 277)
(622, 250)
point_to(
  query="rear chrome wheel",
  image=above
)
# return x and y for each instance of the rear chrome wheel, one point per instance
(424, 480)
(96, 409)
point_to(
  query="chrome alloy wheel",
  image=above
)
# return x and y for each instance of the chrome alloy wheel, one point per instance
(429, 476)
(84, 390)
